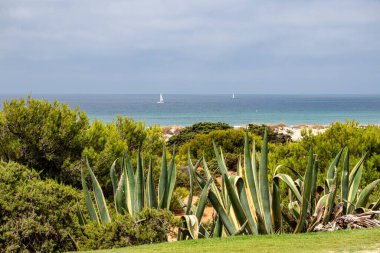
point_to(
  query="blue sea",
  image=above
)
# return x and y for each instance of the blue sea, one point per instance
(183, 110)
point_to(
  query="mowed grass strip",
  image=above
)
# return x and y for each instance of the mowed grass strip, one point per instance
(364, 240)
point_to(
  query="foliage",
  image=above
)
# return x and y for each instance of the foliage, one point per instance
(132, 191)
(181, 193)
(46, 136)
(150, 226)
(243, 206)
(358, 139)
(273, 136)
(53, 139)
(35, 215)
(190, 132)
(229, 140)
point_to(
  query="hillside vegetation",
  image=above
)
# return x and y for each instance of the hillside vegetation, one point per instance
(69, 183)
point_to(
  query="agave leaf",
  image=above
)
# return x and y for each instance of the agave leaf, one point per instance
(331, 199)
(172, 174)
(276, 205)
(221, 164)
(355, 170)
(322, 202)
(190, 198)
(218, 206)
(255, 169)
(292, 186)
(113, 177)
(314, 186)
(208, 177)
(235, 202)
(295, 209)
(345, 179)
(333, 165)
(162, 185)
(240, 188)
(130, 185)
(250, 174)
(239, 170)
(218, 228)
(264, 185)
(203, 200)
(120, 195)
(364, 195)
(151, 200)
(139, 186)
(192, 225)
(306, 193)
(376, 205)
(352, 194)
(87, 197)
(82, 220)
(99, 197)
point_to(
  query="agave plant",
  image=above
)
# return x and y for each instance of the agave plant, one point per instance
(247, 204)
(243, 202)
(132, 192)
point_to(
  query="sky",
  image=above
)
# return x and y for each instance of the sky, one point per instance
(197, 46)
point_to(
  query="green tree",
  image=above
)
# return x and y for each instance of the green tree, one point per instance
(43, 135)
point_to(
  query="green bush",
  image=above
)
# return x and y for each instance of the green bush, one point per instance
(151, 226)
(231, 141)
(179, 193)
(46, 136)
(41, 216)
(53, 139)
(358, 139)
(35, 215)
(189, 132)
(273, 136)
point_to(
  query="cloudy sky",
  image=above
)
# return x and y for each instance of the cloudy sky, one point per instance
(193, 46)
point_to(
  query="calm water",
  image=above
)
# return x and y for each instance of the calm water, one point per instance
(188, 109)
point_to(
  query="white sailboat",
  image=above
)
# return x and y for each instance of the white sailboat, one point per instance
(233, 95)
(161, 101)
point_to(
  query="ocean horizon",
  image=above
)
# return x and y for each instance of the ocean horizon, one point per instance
(187, 109)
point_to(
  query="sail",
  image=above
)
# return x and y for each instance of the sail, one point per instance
(161, 101)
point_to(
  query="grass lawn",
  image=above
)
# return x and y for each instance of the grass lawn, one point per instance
(341, 241)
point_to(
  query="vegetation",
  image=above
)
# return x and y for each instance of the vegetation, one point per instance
(243, 205)
(41, 216)
(280, 187)
(189, 133)
(132, 193)
(54, 140)
(149, 226)
(273, 136)
(361, 240)
(35, 215)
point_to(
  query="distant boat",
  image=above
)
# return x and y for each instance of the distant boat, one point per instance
(233, 95)
(161, 101)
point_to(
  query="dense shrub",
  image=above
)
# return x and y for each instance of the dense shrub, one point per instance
(107, 142)
(189, 132)
(41, 216)
(358, 139)
(231, 141)
(151, 226)
(35, 215)
(53, 139)
(273, 136)
(45, 136)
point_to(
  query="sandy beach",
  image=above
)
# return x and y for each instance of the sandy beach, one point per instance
(293, 130)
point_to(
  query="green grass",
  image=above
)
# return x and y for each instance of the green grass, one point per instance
(340, 241)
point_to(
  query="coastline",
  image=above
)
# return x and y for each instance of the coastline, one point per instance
(293, 130)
